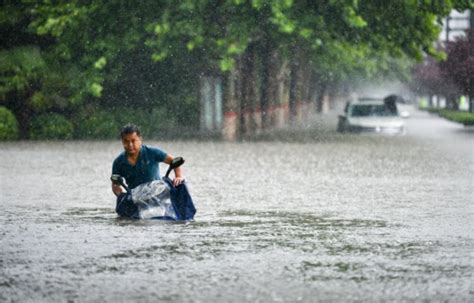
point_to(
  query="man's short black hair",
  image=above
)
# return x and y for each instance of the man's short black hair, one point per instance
(130, 128)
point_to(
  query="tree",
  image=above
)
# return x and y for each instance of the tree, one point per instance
(459, 65)
(101, 48)
(22, 64)
(429, 79)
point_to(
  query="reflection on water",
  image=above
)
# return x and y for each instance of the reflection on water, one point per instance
(366, 218)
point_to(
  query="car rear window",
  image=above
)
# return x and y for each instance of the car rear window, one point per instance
(366, 110)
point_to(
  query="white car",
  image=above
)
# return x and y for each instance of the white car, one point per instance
(373, 116)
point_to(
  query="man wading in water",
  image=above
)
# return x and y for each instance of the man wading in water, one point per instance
(138, 164)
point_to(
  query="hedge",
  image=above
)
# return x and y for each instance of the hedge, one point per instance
(465, 118)
(462, 117)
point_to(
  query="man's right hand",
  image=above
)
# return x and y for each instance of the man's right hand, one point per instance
(118, 189)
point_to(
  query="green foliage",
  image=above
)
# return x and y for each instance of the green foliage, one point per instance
(38, 102)
(465, 118)
(95, 89)
(462, 117)
(343, 38)
(99, 64)
(98, 125)
(51, 126)
(217, 34)
(8, 125)
(19, 67)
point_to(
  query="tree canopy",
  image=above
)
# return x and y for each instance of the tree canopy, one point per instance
(64, 56)
(459, 66)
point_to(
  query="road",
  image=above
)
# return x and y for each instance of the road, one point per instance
(327, 217)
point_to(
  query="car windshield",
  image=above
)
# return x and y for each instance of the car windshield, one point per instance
(377, 110)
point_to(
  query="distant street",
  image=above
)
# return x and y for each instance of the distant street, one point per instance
(453, 137)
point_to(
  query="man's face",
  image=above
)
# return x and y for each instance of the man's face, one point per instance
(132, 143)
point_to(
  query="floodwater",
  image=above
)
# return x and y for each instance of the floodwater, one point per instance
(329, 218)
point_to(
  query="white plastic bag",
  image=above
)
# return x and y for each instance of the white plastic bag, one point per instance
(153, 200)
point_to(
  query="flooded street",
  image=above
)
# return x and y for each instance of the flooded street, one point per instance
(336, 218)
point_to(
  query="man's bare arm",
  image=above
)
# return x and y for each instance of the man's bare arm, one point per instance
(178, 179)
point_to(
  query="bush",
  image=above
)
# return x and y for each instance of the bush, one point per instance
(51, 126)
(465, 118)
(8, 125)
(99, 125)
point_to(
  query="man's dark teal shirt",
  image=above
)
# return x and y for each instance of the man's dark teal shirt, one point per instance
(145, 170)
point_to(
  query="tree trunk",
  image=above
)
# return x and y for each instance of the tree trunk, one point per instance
(294, 78)
(451, 102)
(249, 92)
(280, 112)
(306, 88)
(230, 129)
(269, 85)
(24, 118)
(320, 97)
(22, 111)
(313, 95)
(471, 101)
